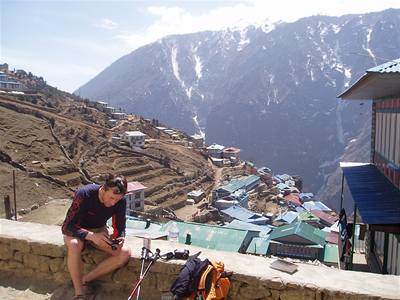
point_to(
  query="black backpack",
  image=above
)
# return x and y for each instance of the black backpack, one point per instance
(188, 279)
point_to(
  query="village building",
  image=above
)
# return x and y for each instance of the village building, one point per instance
(231, 152)
(293, 200)
(116, 140)
(109, 110)
(119, 115)
(111, 122)
(8, 83)
(244, 215)
(100, 105)
(215, 150)
(196, 195)
(135, 139)
(265, 174)
(246, 183)
(134, 197)
(316, 205)
(213, 236)
(287, 217)
(298, 240)
(375, 186)
(263, 230)
(198, 140)
(309, 218)
(219, 162)
(324, 218)
(4, 67)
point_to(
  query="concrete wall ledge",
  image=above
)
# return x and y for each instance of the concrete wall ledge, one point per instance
(31, 248)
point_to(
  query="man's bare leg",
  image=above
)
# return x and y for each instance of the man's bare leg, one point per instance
(117, 259)
(74, 262)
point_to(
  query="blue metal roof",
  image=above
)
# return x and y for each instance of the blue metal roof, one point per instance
(288, 217)
(262, 229)
(259, 246)
(244, 215)
(242, 183)
(392, 66)
(317, 205)
(377, 199)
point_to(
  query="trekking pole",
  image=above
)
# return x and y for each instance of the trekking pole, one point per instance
(138, 284)
(144, 256)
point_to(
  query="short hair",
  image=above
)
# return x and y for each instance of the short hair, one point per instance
(116, 181)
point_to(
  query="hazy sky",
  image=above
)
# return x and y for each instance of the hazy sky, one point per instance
(69, 42)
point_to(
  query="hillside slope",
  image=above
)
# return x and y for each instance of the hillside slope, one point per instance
(57, 142)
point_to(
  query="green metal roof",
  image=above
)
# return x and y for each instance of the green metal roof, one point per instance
(214, 237)
(258, 245)
(307, 216)
(299, 233)
(237, 184)
(331, 254)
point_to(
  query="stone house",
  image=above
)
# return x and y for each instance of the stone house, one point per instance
(134, 197)
(135, 139)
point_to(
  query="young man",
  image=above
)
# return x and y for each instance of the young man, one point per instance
(86, 220)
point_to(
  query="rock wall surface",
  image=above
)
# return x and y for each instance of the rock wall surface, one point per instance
(37, 251)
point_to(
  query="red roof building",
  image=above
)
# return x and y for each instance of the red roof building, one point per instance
(325, 218)
(293, 198)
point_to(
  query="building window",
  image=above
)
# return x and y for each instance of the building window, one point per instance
(137, 204)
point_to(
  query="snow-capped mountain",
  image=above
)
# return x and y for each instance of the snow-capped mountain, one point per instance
(270, 90)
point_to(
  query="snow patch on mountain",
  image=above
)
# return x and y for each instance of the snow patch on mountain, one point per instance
(200, 130)
(198, 67)
(367, 46)
(175, 69)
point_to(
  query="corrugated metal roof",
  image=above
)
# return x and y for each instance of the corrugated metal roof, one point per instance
(262, 229)
(258, 246)
(377, 199)
(216, 147)
(392, 66)
(292, 232)
(316, 205)
(241, 183)
(293, 198)
(306, 196)
(214, 237)
(324, 216)
(379, 82)
(307, 216)
(331, 254)
(134, 186)
(244, 215)
(134, 133)
(288, 217)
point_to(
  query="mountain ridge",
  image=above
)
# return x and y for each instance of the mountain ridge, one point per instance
(271, 94)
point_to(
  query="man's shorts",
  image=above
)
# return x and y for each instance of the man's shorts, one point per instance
(94, 230)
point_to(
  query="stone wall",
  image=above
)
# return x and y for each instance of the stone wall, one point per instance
(33, 250)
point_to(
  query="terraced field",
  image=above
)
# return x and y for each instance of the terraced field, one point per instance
(57, 149)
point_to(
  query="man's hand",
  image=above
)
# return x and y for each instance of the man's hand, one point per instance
(101, 239)
(120, 242)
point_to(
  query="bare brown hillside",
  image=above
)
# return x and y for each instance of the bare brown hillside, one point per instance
(57, 142)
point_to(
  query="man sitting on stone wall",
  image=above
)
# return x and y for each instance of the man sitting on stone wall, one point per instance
(86, 220)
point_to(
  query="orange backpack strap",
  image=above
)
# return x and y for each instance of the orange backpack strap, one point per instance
(202, 282)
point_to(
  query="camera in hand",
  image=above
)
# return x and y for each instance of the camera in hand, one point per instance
(115, 243)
